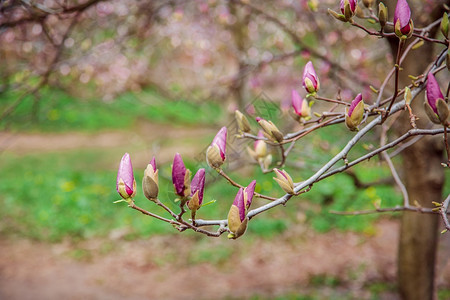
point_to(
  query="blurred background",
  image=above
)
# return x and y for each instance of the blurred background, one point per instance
(83, 82)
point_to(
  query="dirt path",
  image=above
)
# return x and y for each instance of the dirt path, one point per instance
(145, 133)
(163, 267)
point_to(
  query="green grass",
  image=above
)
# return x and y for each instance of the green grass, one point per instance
(69, 194)
(58, 111)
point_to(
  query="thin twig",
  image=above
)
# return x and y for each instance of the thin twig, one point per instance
(234, 183)
(396, 77)
(443, 211)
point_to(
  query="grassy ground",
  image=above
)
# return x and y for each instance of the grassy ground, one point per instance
(56, 111)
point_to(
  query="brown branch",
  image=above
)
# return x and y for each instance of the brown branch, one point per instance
(382, 210)
(234, 183)
(447, 148)
(396, 76)
(145, 212)
(363, 185)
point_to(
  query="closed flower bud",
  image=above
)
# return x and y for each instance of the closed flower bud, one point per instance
(260, 148)
(150, 181)
(435, 106)
(267, 161)
(348, 8)
(249, 191)
(300, 106)
(181, 177)
(444, 25)
(382, 14)
(285, 181)
(403, 23)
(126, 184)
(197, 189)
(242, 121)
(237, 216)
(215, 154)
(271, 131)
(355, 113)
(310, 80)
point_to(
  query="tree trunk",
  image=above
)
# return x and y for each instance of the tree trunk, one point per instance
(423, 176)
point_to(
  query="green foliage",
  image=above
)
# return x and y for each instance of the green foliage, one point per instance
(58, 111)
(444, 294)
(52, 196)
(206, 253)
(338, 193)
(324, 280)
(267, 227)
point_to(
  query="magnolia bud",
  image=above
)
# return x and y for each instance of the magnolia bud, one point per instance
(271, 131)
(260, 148)
(215, 154)
(197, 190)
(382, 14)
(435, 106)
(355, 113)
(300, 106)
(126, 184)
(150, 181)
(242, 121)
(181, 177)
(403, 23)
(237, 216)
(267, 161)
(310, 79)
(249, 191)
(444, 25)
(348, 8)
(285, 181)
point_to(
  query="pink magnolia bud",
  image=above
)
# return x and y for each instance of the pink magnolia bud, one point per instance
(433, 92)
(215, 154)
(153, 164)
(237, 216)
(260, 146)
(402, 20)
(221, 141)
(435, 107)
(301, 107)
(351, 8)
(126, 184)
(180, 177)
(355, 113)
(249, 191)
(310, 79)
(259, 150)
(197, 189)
